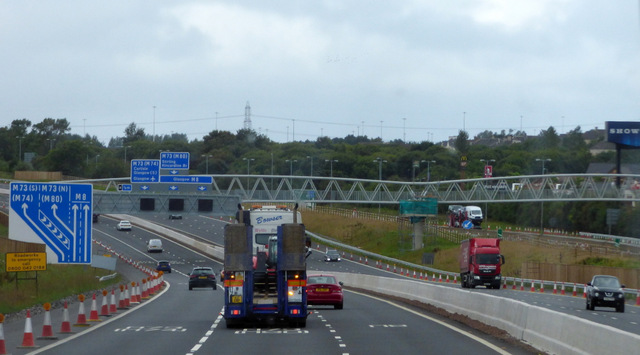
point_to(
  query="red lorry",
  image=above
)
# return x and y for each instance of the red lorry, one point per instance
(480, 262)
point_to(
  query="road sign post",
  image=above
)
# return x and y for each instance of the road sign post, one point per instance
(58, 215)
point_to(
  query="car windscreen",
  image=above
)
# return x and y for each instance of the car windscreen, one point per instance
(202, 272)
(609, 282)
(488, 259)
(321, 280)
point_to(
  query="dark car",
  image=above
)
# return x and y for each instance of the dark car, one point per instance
(605, 291)
(332, 255)
(164, 266)
(324, 290)
(202, 277)
(175, 216)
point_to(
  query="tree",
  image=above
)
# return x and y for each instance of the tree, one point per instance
(462, 142)
(550, 139)
(133, 133)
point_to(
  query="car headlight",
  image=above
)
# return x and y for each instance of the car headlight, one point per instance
(497, 277)
(621, 295)
(476, 277)
(597, 294)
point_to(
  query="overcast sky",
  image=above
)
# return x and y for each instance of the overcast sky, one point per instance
(414, 70)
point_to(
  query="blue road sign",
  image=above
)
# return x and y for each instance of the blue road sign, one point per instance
(186, 179)
(60, 215)
(125, 187)
(467, 224)
(145, 170)
(174, 160)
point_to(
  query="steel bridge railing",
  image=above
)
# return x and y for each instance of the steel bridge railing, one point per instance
(530, 188)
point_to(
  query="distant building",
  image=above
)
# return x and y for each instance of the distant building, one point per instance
(610, 168)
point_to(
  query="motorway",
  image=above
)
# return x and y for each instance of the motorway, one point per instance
(179, 321)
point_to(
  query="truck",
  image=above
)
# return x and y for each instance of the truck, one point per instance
(269, 286)
(480, 263)
(265, 221)
(458, 214)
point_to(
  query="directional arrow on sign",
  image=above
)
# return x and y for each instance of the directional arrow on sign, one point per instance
(173, 187)
(202, 188)
(173, 172)
(144, 187)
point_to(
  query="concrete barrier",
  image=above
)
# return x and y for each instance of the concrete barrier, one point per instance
(549, 331)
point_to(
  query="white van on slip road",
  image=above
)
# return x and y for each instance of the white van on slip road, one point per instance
(154, 246)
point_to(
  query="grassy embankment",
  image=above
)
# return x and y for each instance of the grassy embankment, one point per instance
(57, 282)
(382, 238)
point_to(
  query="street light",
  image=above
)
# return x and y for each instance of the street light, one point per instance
(97, 156)
(291, 161)
(50, 140)
(379, 161)
(206, 162)
(487, 172)
(543, 161)
(248, 168)
(310, 157)
(428, 168)
(331, 161)
(20, 147)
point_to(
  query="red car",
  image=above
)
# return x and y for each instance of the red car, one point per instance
(324, 290)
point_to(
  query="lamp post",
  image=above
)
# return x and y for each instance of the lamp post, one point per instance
(331, 161)
(291, 161)
(50, 140)
(429, 168)
(310, 157)
(206, 162)
(379, 161)
(97, 156)
(20, 147)
(543, 161)
(542, 202)
(487, 171)
(248, 168)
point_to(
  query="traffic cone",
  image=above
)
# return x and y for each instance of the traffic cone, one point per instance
(112, 305)
(414, 274)
(575, 292)
(434, 277)
(447, 278)
(555, 290)
(504, 284)
(47, 329)
(82, 316)
(138, 294)
(541, 286)
(3, 348)
(439, 277)
(66, 325)
(638, 297)
(562, 289)
(133, 298)
(584, 291)
(127, 300)
(93, 315)
(145, 290)
(104, 310)
(455, 279)
(27, 339)
(521, 284)
(533, 287)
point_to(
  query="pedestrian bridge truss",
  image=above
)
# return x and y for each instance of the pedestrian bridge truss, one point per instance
(560, 187)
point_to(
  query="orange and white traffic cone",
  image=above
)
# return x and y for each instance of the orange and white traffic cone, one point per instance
(93, 315)
(27, 339)
(504, 284)
(439, 277)
(533, 286)
(66, 324)
(447, 281)
(414, 274)
(133, 298)
(3, 347)
(47, 329)
(562, 289)
(104, 309)
(145, 290)
(521, 284)
(555, 290)
(455, 278)
(112, 304)
(122, 304)
(575, 292)
(541, 286)
(584, 291)
(638, 297)
(82, 316)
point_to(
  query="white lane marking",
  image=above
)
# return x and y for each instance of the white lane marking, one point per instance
(465, 333)
(104, 321)
(207, 334)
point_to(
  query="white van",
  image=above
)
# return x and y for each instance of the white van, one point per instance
(154, 246)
